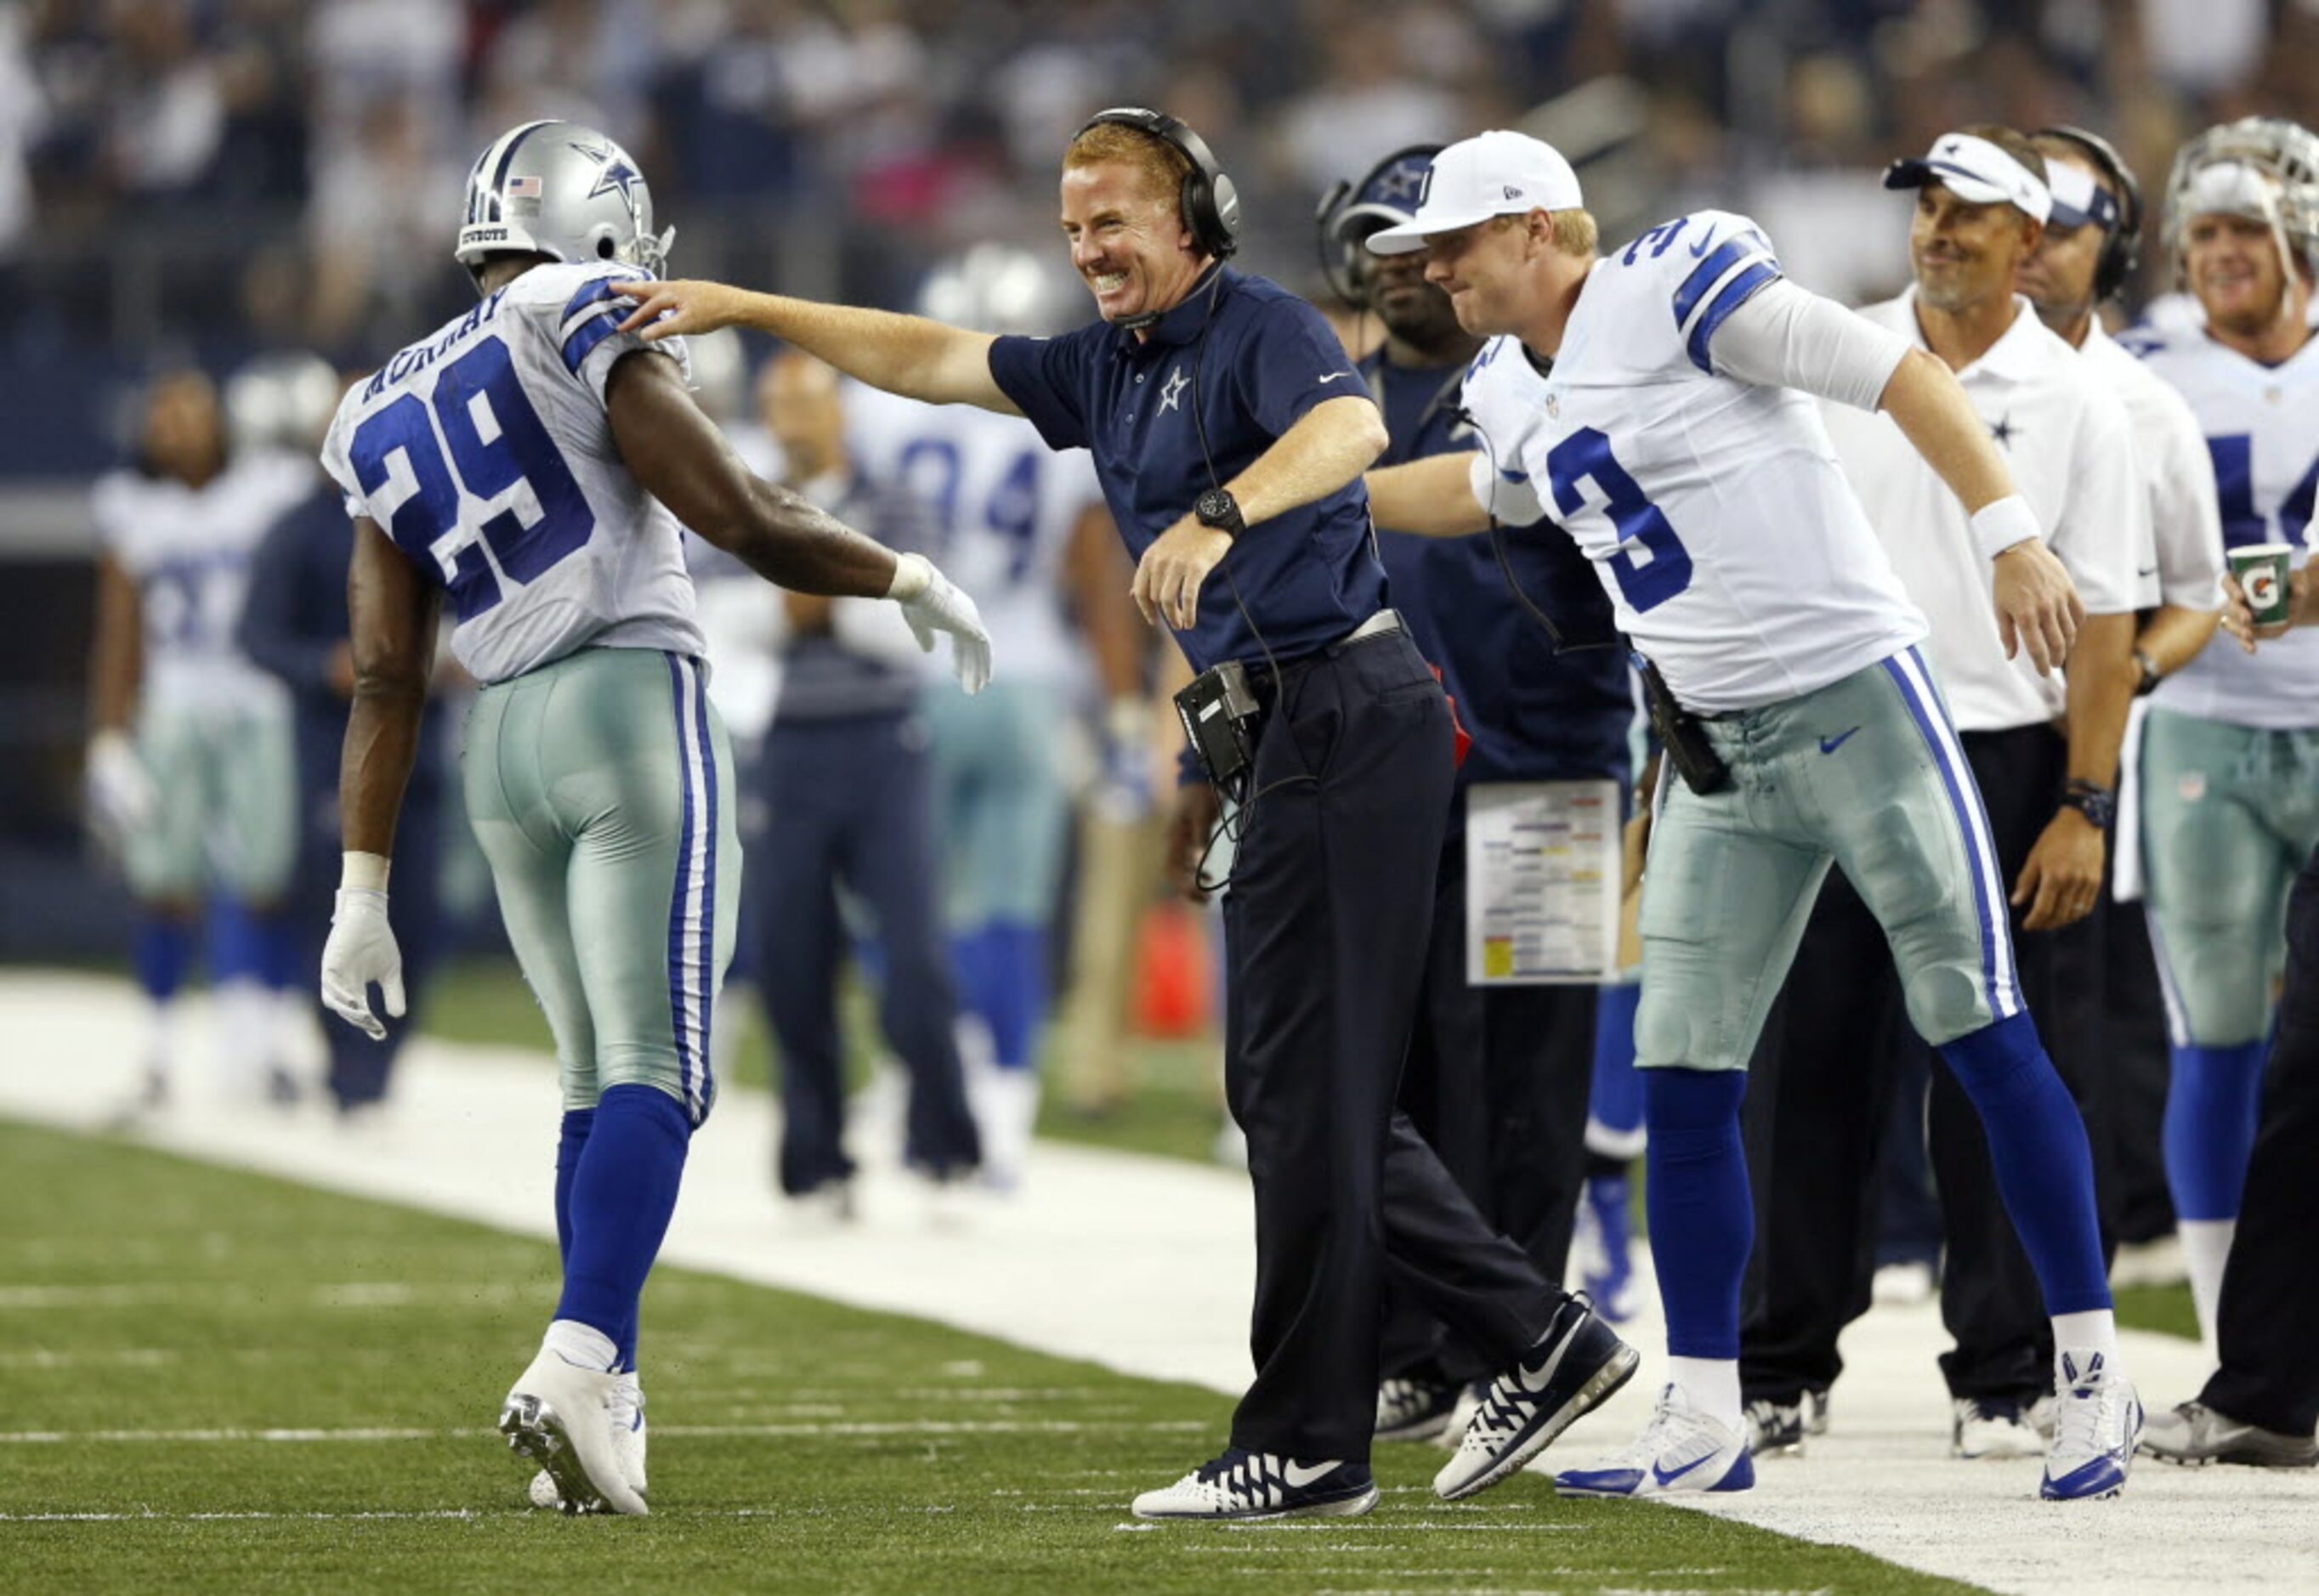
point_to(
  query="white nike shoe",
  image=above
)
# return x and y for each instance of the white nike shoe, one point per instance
(1681, 1449)
(1241, 1484)
(2095, 1429)
(1991, 1428)
(627, 1412)
(559, 1415)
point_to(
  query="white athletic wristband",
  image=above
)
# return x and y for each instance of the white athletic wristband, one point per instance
(913, 575)
(1998, 526)
(363, 872)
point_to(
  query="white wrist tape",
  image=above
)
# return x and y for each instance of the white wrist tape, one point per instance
(913, 575)
(1998, 526)
(363, 872)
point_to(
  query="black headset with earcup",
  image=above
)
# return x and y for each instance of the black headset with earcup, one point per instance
(2121, 250)
(1210, 202)
(1341, 252)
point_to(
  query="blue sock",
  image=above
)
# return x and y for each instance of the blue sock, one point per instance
(237, 951)
(1014, 993)
(568, 1147)
(281, 960)
(2045, 1166)
(623, 1192)
(1701, 1216)
(162, 949)
(970, 959)
(2211, 1108)
(1616, 1102)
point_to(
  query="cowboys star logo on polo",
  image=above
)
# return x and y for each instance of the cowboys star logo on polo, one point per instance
(1173, 391)
(613, 172)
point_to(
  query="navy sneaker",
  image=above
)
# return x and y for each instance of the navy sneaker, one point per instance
(1242, 1484)
(1775, 1427)
(1575, 1366)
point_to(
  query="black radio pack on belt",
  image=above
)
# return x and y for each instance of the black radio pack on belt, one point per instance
(1702, 769)
(1218, 713)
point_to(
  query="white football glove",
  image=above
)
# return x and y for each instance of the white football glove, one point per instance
(361, 950)
(121, 798)
(931, 602)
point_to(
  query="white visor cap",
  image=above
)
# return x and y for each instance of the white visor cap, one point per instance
(1977, 172)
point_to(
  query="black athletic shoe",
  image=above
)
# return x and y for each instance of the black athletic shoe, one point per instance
(1577, 1365)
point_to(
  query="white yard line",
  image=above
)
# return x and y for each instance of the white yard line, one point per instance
(1143, 1265)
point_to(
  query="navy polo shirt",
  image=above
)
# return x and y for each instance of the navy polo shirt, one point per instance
(1245, 358)
(1534, 715)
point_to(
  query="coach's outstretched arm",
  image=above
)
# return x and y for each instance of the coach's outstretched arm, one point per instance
(907, 354)
(678, 456)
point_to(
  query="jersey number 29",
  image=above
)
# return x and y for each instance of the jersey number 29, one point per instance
(499, 454)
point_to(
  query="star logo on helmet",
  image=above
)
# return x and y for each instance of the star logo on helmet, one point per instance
(614, 173)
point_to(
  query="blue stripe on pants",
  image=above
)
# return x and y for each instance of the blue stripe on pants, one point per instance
(1997, 983)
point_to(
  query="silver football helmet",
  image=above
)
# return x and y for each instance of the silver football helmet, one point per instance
(559, 189)
(282, 401)
(998, 288)
(2262, 167)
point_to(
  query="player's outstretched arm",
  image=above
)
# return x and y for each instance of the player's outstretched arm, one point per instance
(911, 355)
(2037, 605)
(1433, 496)
(677, 455)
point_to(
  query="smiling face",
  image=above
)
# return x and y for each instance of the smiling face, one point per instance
(2232, 264)
(1128, 240)
(1966, 255)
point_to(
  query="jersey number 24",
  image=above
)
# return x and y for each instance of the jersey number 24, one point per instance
(499, 454)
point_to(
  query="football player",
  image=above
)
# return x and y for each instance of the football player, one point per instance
(191, 768)
(2230, 755)
(532, 464)
(1656, 400)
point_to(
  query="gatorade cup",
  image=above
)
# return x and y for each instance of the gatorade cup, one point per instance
(2263, 571)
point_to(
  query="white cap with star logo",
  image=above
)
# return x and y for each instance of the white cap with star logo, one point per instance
(1977, 172)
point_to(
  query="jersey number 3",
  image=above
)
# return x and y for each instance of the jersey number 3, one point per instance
(1585, 455)
(534, 512)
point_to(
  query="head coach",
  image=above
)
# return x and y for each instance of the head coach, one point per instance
(1229, 430)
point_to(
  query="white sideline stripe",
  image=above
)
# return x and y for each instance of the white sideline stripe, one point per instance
(46, 1438)
(1158, 1255)
(382, 1513)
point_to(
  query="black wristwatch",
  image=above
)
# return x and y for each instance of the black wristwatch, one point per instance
(2096, 802)
(1218, 509)
(2151, 677)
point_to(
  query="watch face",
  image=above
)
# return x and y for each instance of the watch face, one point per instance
(1214, 505)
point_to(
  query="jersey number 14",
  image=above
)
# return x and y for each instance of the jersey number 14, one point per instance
(499, 453)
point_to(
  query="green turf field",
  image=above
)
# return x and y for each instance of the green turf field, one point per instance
(216, 1382)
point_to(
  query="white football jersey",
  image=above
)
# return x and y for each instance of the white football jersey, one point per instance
(1003, 507)
(484, 450)
(2262, 433)
(2184, 564)
(189, 549)
(1713, 510)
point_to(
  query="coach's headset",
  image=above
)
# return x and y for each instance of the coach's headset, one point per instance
(1343, 252)
(2122, 248)
(1209, 200)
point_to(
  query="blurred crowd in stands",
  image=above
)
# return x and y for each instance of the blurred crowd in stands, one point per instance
(192, 175)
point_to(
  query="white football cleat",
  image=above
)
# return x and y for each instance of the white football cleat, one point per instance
(627, 1412)
(2095, 1429)
(559, 1415)
(1990, 1428)
(1680, 1449)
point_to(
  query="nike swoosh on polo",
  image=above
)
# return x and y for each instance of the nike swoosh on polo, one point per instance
(1831, 745)
(1301, 1474)
(2145, 571)
(1666, 1476)
(1331, 377)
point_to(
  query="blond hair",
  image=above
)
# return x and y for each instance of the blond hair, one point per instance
(1575, 231)
(1161, 165)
